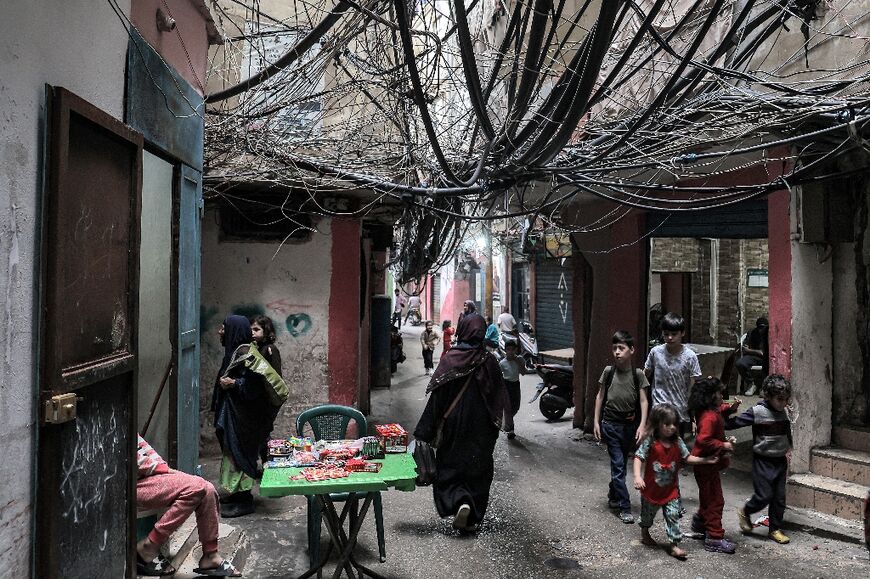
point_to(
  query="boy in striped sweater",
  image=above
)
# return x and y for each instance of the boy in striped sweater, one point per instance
(771, 452)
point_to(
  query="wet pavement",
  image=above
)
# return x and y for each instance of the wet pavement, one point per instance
(547, 515)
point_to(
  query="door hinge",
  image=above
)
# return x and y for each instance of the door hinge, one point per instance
(61, 408)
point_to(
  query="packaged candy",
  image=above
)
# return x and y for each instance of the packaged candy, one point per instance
(371, 447)
(393, 438)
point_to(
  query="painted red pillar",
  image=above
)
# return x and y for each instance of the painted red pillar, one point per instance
(344, 312)
(779, 282)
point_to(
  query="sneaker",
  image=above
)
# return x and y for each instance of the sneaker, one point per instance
(720, 546)
(626, 517)
(698, 527)
(460, 521)
(779, 537)
(743, 521)
(612, 504)
(751, 391)
(511, 435)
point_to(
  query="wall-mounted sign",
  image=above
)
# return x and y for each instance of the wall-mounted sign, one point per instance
(756, 278)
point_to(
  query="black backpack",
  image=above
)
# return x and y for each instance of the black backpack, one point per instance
(608, 380)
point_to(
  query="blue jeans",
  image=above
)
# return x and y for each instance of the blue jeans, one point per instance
(619, 437)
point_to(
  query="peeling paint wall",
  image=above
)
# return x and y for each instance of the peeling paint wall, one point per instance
(812, 347)
(81, 46)
(290, 286)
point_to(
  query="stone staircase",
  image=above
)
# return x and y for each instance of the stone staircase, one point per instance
(838, 478)
(184, 549)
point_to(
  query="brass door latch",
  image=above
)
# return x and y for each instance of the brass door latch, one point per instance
(61, 408)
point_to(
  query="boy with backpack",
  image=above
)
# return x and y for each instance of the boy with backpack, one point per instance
(620, 418)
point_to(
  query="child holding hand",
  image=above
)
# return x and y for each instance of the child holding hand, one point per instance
(656, 464)
(706, 406)
(771, 450)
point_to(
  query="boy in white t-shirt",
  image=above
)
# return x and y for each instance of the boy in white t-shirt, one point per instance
(511, 368)
(674, 368)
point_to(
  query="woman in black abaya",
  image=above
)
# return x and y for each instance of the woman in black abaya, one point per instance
(464, 457)
(243, 420)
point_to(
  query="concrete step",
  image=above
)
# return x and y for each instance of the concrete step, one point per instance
(841, 463)
(826, 495)
(233, 545)
(185, 550)
(852, 437)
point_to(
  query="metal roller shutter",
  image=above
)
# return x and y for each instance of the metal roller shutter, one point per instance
(436, 298)
(555, 326)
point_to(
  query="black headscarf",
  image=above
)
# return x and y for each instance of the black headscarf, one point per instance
(470, 356)
(237, 331)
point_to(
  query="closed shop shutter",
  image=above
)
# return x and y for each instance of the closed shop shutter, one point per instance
(555, 326)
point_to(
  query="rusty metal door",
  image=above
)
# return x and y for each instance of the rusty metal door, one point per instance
(85, 509)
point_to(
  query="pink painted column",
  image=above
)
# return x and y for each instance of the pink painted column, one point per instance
(779, 282)
(344, 328)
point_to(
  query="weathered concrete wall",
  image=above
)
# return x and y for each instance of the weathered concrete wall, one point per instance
(812, 347)
(848, 396)
(80, 46)
(292, 287)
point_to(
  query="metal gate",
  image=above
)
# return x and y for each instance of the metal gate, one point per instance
(555, 326)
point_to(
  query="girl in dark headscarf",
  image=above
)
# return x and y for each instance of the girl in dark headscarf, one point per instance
(243, 419)
(469, 374)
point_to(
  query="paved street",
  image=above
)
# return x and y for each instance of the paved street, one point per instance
(547, 516)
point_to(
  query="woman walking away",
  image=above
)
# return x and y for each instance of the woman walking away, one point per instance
(462, 418)
(243, 417)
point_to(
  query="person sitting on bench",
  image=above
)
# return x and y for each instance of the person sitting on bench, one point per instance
(754, 352)
(160, 487)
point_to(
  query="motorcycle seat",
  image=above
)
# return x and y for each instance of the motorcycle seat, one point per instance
(559, 367)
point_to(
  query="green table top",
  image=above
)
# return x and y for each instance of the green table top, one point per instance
(399, 471)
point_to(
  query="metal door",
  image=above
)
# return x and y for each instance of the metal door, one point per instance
(85, 508)
(189, 228)
(553, 307)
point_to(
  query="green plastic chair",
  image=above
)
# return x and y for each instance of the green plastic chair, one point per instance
(329, 422)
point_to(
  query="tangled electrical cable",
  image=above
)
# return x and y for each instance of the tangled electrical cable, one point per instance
(440, 113)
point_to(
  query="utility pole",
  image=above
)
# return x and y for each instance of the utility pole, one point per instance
(487, 291)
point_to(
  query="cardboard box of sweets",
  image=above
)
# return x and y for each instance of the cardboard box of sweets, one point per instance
(394, 438)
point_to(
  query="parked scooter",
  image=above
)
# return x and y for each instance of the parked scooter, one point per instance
(525, 339)
(414, 316)
(556, 392)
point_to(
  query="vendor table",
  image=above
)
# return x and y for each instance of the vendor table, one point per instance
(398, 471)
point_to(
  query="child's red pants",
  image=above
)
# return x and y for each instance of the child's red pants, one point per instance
(183, 494)
(710, 499)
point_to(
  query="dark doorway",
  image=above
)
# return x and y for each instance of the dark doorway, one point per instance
(677, 297)
(85, 507)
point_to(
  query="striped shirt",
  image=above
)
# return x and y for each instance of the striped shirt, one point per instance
(148, 460)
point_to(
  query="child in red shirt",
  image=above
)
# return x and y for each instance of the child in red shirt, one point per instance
(705, 404)
(659, 459)
(447, 332)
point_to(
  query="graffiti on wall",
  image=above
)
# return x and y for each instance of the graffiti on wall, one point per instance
(296, 321)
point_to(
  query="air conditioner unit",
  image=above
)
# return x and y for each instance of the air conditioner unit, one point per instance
(826, 212)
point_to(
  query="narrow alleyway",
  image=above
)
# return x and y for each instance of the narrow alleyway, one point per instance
(547, 516)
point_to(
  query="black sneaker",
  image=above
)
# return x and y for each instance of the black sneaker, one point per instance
(611, 504)
(511, 435)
